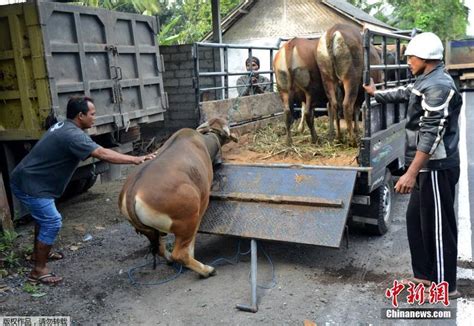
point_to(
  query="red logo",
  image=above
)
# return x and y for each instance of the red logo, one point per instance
(419, 293)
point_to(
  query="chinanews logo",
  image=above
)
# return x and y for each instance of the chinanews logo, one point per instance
(418, 294)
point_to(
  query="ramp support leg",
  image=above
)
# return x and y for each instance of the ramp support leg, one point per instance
(253, 278)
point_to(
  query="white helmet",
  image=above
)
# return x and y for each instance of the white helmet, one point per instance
(426, 46)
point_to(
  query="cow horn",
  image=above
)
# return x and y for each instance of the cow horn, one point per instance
(204, 128)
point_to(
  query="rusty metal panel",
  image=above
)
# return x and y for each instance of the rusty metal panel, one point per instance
(110, 56)
(24, 93)
(307, 205)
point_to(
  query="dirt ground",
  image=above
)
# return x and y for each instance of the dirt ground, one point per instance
(331, 287)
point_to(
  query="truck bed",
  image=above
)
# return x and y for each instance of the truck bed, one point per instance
(268, 145)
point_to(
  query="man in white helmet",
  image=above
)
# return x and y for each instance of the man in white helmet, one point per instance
(432, 160)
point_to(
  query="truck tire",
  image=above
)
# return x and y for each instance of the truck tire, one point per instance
(89, 182)
(77, 187)
(381, 206)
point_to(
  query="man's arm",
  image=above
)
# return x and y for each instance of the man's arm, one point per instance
(111, 156)
(265, 87)
(437, 113)
(243, 86)
(407, 181)
(392, 95)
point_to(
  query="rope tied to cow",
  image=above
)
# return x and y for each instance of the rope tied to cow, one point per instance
(233, 260)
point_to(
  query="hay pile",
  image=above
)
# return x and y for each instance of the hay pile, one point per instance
(268, 144)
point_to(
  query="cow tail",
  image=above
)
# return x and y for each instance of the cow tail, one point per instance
(331, 53)
(330, 39)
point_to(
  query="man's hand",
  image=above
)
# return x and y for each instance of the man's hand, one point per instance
(370, 89)
(406, 183)
(254, 80)
(141, 159)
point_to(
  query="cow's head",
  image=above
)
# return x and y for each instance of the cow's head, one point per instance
(219, 127)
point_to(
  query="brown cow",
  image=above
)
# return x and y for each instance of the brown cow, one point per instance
(341, 61)
(170, 193)
(297, 75)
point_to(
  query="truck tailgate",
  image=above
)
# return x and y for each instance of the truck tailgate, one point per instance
(300, 204)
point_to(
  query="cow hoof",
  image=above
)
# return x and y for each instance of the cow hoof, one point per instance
(212, 272)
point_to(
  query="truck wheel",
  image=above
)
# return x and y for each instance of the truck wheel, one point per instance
(89, 182)
(381, 206)
(77, 187)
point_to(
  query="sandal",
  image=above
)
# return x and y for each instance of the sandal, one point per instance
(454, 295)
(53, 255)
(46, 279)
(415, 280)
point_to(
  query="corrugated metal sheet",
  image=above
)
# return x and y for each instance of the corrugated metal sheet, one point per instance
(285, 18)
(357, 13)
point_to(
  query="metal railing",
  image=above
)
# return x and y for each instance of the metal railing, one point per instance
(381, 39)
(223, 74)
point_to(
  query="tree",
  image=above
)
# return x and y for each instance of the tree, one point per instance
(144, 7)
(182, 21)
(446, 18)
(192, 19)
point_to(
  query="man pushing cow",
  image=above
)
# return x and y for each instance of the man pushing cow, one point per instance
(44, 173)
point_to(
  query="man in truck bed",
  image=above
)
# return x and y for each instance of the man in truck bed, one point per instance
(44, 173)
(432, 158)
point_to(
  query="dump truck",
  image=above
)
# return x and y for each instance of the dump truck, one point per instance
(51, 51)
(460, 62)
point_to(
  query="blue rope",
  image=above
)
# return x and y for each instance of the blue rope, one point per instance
(234, 260)
(273, 282)
(178, 268)
(219, 261)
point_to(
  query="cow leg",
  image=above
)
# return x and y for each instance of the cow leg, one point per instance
(309, 117)
(163, 251)
(350, 97)
(303, 115)
(331, 93)
(288, 116)
(332, 113)
(154, 238)
(356, 119)
(183, 253)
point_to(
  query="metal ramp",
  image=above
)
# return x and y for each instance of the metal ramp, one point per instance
(279, 202)
(300, 204)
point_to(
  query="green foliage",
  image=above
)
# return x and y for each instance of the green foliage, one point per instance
(446, 18)
(11, 259)
(31, 288)
(144, 7)
(7, 239)
(27, 249)
(182, 21)
(189, 21)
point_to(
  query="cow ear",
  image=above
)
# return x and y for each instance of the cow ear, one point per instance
(204, 128)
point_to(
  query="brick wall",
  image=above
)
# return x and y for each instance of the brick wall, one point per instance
(178, 83)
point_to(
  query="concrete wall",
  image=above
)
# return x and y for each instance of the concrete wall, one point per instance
(178, 83)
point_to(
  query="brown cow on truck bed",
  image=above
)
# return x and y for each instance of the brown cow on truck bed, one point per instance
(170, 193)
(341, 61)
(297, 74)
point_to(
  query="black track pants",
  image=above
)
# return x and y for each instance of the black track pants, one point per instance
(431, 226)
